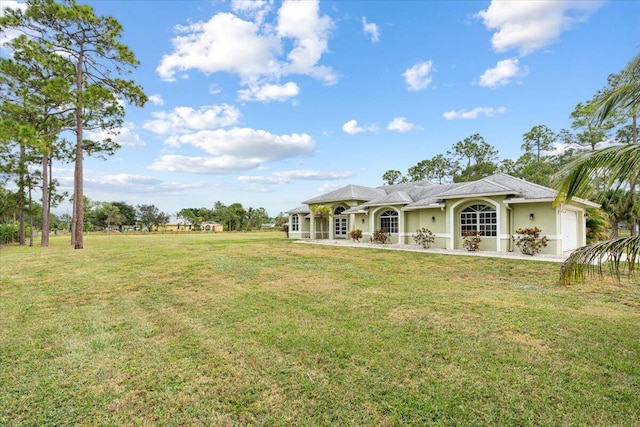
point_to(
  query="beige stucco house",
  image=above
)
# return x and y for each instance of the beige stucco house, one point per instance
(211, 227)
(496, 206)
(175, 224)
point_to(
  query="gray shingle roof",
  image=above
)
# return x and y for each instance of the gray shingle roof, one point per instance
(477, 188)
(524, 189)
(415, 195)
(350, 192)
(398, 197)
(303, 209)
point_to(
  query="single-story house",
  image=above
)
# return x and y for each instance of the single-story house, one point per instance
(496, 206)
(176, 223)
(211, 227)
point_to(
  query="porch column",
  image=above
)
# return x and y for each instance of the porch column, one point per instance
(450, 229)
(312, 226)
(332, 227)
(401, 228)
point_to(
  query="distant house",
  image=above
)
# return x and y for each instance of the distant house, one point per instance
(176, 224)
(496, 206)
(211, 227)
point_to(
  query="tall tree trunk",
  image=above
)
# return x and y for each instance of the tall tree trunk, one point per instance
(21, 196)
(78, 202)
(44, 239)
(30, 217)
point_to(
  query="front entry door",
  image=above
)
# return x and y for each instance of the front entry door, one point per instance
(340, 230)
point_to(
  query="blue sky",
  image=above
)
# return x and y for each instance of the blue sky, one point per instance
(270, 103)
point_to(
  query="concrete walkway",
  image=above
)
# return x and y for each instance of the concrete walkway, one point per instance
(459, 252)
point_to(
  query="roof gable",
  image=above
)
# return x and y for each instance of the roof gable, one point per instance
(398, 197)
(350, 192)
(482, 187)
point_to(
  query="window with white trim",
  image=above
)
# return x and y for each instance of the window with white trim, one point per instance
(295, 223)
(389, 221)
(480, 218)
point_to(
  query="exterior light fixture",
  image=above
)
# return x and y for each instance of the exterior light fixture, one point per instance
(531, 216)
(363, 220)
(433, 219)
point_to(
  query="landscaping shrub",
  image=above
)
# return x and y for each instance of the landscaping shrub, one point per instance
(529, 240)
(356, 235)
(471, 240)
(380, 236)
(424, 237)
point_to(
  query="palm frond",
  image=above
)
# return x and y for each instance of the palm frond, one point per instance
(575, 179)
(625, 96)
(618, 256)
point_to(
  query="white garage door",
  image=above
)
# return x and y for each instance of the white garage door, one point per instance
(569, 230)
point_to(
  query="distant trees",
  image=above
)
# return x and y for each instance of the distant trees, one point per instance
(538, 140)
(150, 216)
(233, 217)
(470, 159)
(392, 177)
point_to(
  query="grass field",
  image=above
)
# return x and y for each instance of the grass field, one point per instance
(252, 329)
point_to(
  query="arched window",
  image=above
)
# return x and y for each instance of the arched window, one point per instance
(295, 223)
(338, 210)
(389, 221)
(480, 218)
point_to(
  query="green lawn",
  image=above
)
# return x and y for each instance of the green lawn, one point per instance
(252, 329)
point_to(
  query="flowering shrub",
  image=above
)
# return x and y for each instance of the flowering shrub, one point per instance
(529, 240)
(356, 235)
(471, 240)
(380, 236)
(424, 237)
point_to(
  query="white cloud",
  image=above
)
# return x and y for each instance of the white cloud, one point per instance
(269, 92)
(249, 143)
(371, 29)
(185, 119)
(136, 184)
(126, 136)
(256, 51)
(204, 165)
(352, 128)
(255, 9)
(283, 177)
(233, 150)
(473, 114)
(301, 22)
(527, 26)
(400, 124)
(418, 76)
(225, 43)
(156, 100)
(502, 73)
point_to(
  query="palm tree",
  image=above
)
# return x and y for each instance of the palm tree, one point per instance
(621, 163)
(321, 212)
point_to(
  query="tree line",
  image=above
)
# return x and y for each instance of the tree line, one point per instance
(121, 216)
